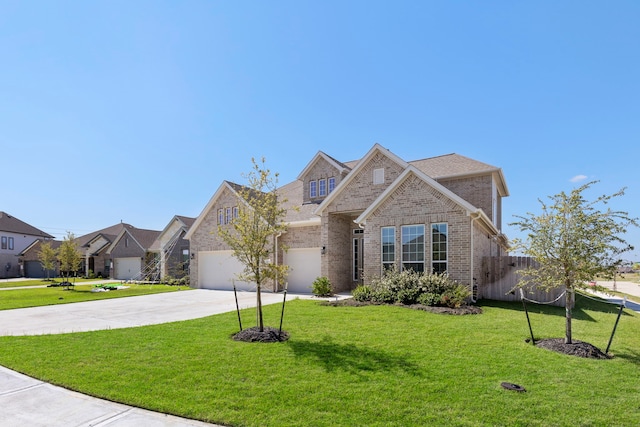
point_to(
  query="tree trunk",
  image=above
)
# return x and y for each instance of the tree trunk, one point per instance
(259, 308)
(568, 305)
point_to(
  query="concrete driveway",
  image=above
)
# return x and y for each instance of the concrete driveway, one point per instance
(26, 401)
(127, 312)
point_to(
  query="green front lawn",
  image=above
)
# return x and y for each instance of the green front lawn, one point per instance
(35, 297)
(41, 282)
(355, 366)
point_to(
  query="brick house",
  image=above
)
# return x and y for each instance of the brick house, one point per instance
(350, 221)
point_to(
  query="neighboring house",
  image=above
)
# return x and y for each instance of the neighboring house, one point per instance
(130, 253)
(15, 237)
(101, 252)
(351, 221)
(172, 249)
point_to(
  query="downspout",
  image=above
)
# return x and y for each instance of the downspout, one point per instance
(473, 218)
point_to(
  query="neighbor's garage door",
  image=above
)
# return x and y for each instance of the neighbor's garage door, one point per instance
(126, 268)
(304, 268)
(34, 269)
(218, 269)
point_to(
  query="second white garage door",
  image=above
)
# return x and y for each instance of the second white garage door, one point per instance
(304, 268)
(218, 269)
(127, 268)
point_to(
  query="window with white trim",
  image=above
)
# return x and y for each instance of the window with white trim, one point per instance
(388, 240)
(227, 215)
(413, 247)
(4, 242)
(322, 187)
(10, 243)
(439, 247)
(332, 184)
(235, 212)
(313, 189)
(220, 216)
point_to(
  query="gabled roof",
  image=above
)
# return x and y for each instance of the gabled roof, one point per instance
(143, 238)
(11, 224)
(377, 148)
(341, 167)
(454, 165)
(184, 222)
(55, 244)
(413, 171)
(109, 233)
(233, 187)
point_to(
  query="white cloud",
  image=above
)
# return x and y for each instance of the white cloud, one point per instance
(578, 178)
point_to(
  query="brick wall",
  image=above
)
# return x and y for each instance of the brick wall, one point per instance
(361, 192)
(320, 170)
(414, 202)
(475, 190)
(205, 237)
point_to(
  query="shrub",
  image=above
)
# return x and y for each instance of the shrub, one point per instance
(429, 298)
(455, 296)
(362, 293)
(321, 287)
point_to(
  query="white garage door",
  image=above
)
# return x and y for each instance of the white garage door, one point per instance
(218, 269)
(126, 268)
(304, 268)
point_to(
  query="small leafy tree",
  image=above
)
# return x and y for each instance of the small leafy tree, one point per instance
(69, 257)
(573, 240)
(47, 257)
(252, 233)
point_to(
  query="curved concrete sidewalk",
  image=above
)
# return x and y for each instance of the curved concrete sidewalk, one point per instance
(30, 402)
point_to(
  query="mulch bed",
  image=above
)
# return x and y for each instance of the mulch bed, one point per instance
(268, 334)
(577, 348)
(467, 309)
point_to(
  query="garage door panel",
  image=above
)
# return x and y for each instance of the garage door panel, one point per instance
(127, 268)
(304, 268)
(219, 269)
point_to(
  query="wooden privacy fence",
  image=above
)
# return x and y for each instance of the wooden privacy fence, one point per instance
(500, 277)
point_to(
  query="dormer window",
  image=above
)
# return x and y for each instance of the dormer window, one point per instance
(332, 184)
(313, 189)
(322, 187)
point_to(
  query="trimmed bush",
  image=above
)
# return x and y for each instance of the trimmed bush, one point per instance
(362, 293)
(321, 287)
(408, 287)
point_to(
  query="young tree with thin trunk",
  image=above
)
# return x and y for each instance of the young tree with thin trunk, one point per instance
(69, 257)
(252, 233)
(47, 257)
(573, 240)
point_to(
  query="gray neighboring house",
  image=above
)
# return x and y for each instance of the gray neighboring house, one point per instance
(172, 249)
(15, 237)
(349, 221)
(130, 252)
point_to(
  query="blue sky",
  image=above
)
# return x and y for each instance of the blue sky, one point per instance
(136, 111)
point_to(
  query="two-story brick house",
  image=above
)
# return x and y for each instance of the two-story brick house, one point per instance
(350, 221)
(15, 237)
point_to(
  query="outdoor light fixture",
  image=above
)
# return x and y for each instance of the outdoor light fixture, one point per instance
(323, 250)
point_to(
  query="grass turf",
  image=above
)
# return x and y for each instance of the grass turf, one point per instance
(35, 297)
(374, 366)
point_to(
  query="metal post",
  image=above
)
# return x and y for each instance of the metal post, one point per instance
(282, 312)
(235, 293)
(526, 312)
(624, 303)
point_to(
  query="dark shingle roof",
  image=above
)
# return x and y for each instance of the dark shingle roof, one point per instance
(11, 224)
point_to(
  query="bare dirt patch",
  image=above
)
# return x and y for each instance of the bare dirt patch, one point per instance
(467, 309)
(577, 348)
(268, 334)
